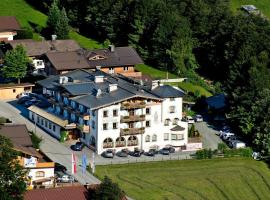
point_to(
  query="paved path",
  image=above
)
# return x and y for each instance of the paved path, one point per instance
(50, 146)
(209, 134)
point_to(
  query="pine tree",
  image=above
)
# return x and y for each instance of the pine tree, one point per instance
(15, 63)
(53, 16)
(62, 28)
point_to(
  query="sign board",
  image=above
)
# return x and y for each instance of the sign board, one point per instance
(30, 162)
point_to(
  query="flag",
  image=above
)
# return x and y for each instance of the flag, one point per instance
(73, 161)
(84, 163)
(93, 163)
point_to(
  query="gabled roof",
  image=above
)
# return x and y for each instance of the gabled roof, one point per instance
(67, 60)
(166, 91)
(37, 48)
(216, 101)
(19, 136)
(178, 128)
(9, 23)
(60, 193)
(121, 56)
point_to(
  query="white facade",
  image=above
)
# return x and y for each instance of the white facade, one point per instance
(158, 120)
(7, 35)
(40, 174)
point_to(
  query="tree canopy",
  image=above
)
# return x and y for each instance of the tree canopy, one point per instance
(12, 174)
(15, 63)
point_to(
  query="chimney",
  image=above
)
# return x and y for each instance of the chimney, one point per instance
(111, 48)
(99, 79)
(54, 37)
(99, 92)
(112, 87)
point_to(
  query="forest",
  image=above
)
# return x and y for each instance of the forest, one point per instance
(194, 39)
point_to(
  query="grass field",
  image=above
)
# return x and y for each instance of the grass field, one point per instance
(218, 179)
(27, 15)
(186, 86)
(263, 5)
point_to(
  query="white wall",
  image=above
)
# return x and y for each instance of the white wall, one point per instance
(8, 35)
(49, 172)
(55, 133)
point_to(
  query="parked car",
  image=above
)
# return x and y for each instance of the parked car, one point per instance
(190, 120)
(151, 152)
(226, 136)
(109, 153)
(23, 94)
(165, 151)
(59, 167)
(136, 153)
(78, 146)
(31, 102)
(198, 118)
(122, 153)
(23, 99)
(236, 144)
(65, 179)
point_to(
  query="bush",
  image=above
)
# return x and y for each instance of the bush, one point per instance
(63, 136)
(221, 147)
(35, 140)
(204, 154)
(25, 33)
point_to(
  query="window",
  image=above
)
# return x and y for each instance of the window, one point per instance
(105, 126)
(40, 174)
(177, 136)
(33, 117)
(154, 138)
(175, 121)
(167, 122)
(147, 111)
(27, 88)
(14, 90)
(83, 135)
(93, 124)
(105, 113)
(115, 113)
(38, 119)
(166, 136)
(93, 113)
(125, 68)
(53, 127)
(172, 99)
(50, 125)
(147, 138)
(42, 122)
(115, 125)
(147, 124)
(46, 123)
(172, 109)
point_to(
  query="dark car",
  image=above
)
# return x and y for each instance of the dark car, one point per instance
(122, 153)
(137, 153)
(151, 152)
(78, 146)
(171, 149)
(109, 153)
(24, 99)
(165, 151)
(31, 102)
(58, 167)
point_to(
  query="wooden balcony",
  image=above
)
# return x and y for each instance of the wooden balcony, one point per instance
(84, 128)
(132, 118)
(133, 105)
(132, 131)
(45, 164)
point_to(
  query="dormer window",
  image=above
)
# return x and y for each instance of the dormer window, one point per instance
(97, 57)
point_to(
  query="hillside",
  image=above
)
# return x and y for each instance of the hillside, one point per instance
(263, 5)
(28, 17)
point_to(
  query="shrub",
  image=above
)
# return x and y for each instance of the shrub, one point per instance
(221, 147)
(204, 154)
(25, 33)
(63, 136)
(35, 140)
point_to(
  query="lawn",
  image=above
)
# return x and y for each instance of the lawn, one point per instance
(187, 86)
(29, 16)
(216, 179)
(263, 5)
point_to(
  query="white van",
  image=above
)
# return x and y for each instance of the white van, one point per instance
(236, 144)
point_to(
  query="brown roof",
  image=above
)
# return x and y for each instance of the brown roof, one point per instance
(61, 193)
(121, 56)
(9, 23)
(178, 128)
(67, 60)
(37, 48)
(19, 136)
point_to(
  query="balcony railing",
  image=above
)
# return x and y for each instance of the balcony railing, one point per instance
(133, 143)
(132, 131)
(120, 144)
(133, 105)
(132, 118)
(108, 145)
